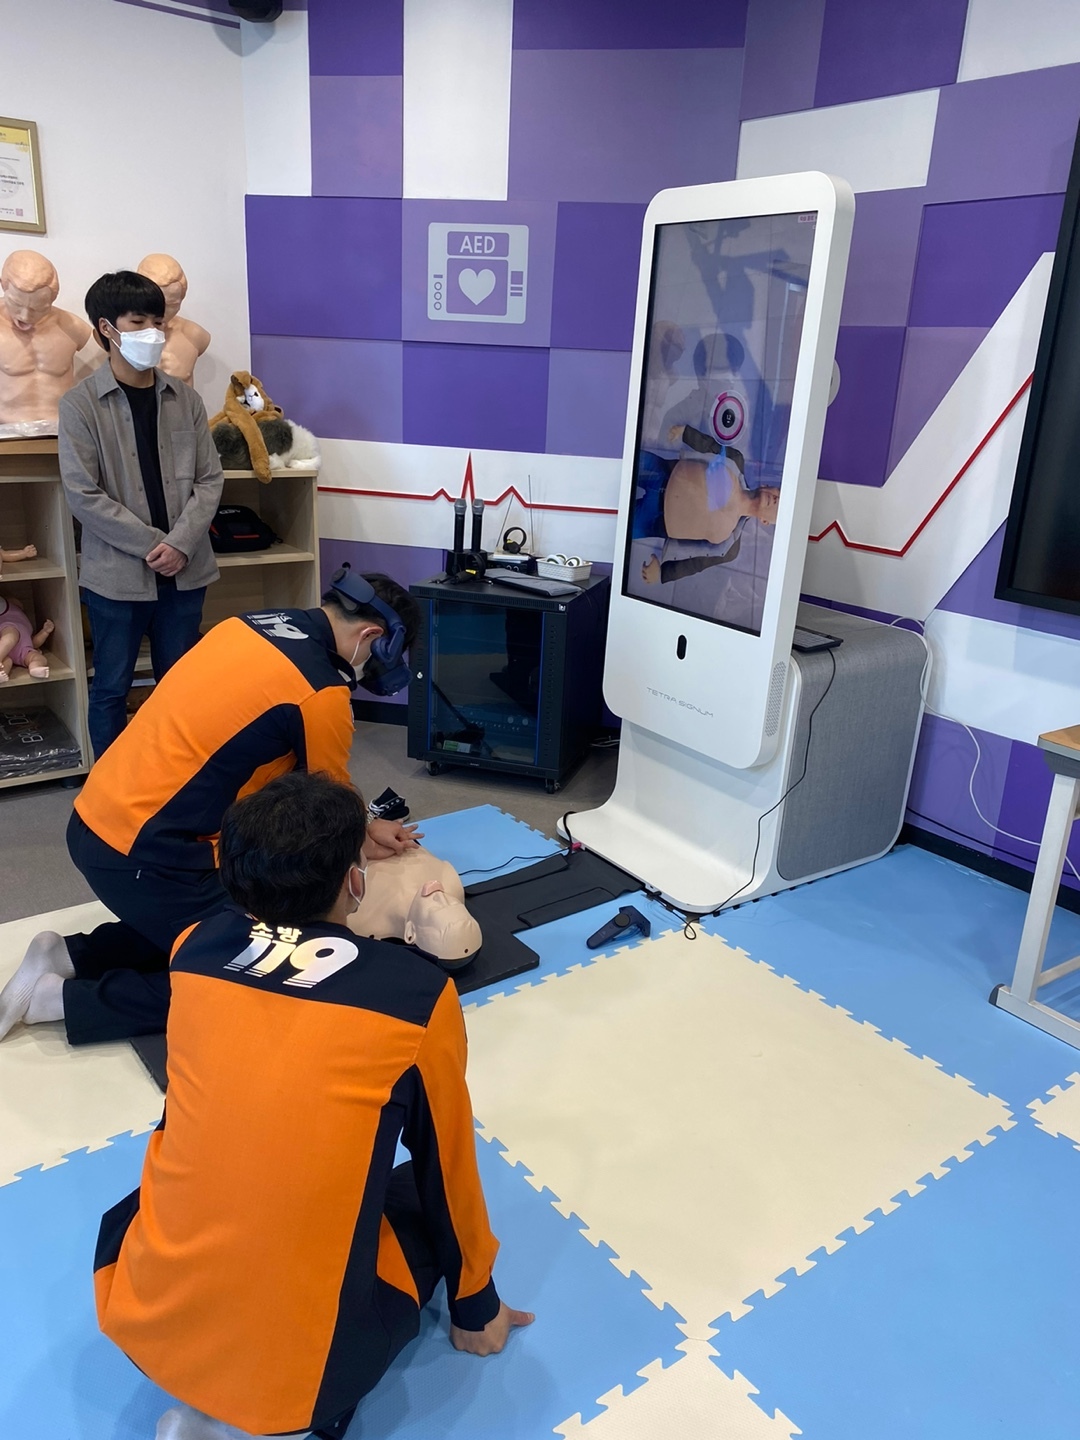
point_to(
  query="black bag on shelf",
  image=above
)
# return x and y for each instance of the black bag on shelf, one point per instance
(34, 741)
(236, 529)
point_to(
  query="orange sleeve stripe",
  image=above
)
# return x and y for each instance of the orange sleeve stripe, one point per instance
(391, 1264)
(329, 730)
(197, 708)
(181, 938)
(441, 1061)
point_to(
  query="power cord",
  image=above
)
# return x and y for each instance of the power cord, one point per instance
(971, 793)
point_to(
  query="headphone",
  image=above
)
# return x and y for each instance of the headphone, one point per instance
(514, 547)
(385, 672)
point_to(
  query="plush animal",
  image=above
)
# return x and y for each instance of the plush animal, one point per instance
(251, 432)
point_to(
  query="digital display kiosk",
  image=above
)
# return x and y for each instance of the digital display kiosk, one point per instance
(738, 308)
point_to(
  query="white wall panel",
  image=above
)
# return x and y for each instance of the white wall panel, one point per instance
(457, 98)
(277, 105)
(1003, 36)
(872, 144)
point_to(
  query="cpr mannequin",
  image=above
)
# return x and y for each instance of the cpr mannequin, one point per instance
(184, 340)
(20, 643)
(38, 345)
(418, 898)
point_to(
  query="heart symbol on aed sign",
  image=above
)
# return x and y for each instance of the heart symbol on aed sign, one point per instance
(476, 286)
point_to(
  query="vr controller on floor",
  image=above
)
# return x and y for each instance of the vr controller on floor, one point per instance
(462, 564)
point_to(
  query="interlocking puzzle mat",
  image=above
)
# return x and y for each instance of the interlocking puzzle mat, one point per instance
(1060, 1115)
(954, 1319)
(55, 1098)
(914, 944)
(707, 1119)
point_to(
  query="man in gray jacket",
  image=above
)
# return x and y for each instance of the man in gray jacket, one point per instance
(142, 476)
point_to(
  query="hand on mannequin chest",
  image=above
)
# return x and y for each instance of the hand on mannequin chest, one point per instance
(418, 898)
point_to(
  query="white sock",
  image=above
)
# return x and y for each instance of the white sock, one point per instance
(46, 955)
(184, 1423)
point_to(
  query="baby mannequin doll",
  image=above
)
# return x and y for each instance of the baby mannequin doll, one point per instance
(28, 552)
(419, 899)
(19, 643)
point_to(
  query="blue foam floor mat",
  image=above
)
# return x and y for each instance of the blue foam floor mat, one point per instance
(952, 1317)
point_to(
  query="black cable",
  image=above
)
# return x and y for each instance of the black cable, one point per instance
(492, 868)
(688, 916)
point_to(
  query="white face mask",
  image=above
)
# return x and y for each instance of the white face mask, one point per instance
(141, 348)
(356, 899)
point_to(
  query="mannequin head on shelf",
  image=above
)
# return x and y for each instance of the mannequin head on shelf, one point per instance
(30, 285)
(168, 274)
(38, 345)
(184, 340)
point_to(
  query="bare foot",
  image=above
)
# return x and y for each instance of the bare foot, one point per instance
(37, 665)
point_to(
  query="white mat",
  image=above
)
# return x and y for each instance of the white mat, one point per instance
(707, 1119)
(1060, 1115)
(690, 1400)
(54, 1098)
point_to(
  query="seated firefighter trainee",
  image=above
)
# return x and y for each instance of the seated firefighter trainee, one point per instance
(274, 1260)
(260, 695)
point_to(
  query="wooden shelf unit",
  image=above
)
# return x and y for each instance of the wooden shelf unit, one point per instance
(33, 511)
(285, 577)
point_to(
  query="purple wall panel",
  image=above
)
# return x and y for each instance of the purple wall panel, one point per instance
(884, 244)
(628, 24)
(783, 42)
(478, 216)
(621, 125)
(855, 449)
(973, 594)
(408, 565)
(587, 402)
(869, 48)
(939, 783)
(974, 256)
(324, 267)
(1008, 135)
(597, 251)
(356, 135)
(340, 389)
(478, 396)
(933, 358)
(355, 37)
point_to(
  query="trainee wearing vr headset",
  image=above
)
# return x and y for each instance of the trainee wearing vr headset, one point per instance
(386, 671)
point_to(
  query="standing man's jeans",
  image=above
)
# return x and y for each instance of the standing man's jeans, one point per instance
(117, 626)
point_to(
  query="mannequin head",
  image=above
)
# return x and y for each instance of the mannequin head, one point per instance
(30, 287)
(441, 926)
(168, 274)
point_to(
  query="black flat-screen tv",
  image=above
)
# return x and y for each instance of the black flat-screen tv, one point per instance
(1040, 559)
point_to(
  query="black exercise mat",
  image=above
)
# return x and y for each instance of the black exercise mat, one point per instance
(152, 1051)
(553, 888)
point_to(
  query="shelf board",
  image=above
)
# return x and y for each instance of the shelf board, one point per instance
(40, 569)
(20, 677)
(274, 475)
(276, 555)
(46, 445)
(43, 775)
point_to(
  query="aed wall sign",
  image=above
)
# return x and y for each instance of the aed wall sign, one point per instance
(478, 272)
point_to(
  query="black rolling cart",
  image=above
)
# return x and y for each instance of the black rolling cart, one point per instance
(505, 679)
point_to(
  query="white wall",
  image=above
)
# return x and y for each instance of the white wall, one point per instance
(141, 124)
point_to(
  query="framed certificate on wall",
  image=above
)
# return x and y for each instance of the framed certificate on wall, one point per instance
(21, 204)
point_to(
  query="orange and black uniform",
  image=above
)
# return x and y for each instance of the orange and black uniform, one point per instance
(259, 695)
(273, 1262)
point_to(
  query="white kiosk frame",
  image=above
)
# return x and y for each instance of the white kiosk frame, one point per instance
(710, 712)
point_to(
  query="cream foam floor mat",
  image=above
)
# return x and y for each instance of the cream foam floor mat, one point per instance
(690, 1400)
(1060, 1115)
(707, 1119)
(55, 1098)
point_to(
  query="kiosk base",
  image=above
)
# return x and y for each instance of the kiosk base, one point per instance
(704, 835)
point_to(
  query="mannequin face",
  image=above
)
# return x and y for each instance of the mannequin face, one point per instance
(174, 297)
(28, 308)
(441, 926)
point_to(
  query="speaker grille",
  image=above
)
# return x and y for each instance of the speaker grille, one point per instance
(776, 695)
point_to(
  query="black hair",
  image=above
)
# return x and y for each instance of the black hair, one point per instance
(285, 850)
(719, 351)
(123, 292)
(390, 593)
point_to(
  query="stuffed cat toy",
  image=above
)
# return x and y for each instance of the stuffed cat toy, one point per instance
(251, 432)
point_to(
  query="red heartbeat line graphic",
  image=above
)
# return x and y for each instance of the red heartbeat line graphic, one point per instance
(899, 554)
(468, 492)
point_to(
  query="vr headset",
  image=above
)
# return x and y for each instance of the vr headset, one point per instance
(385, 672)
